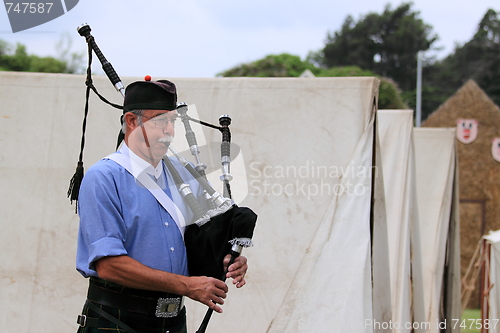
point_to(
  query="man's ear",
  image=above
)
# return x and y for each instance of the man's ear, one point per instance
(131, 119)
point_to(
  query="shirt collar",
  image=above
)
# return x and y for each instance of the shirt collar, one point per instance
(139, 165)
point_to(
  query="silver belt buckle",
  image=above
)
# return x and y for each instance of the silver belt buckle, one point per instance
(169, 307)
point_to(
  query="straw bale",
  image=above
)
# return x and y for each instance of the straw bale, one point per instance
(479, 173)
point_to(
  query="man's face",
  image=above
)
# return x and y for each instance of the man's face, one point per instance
(151, 139)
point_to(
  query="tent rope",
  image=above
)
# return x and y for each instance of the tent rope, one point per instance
(472, 273)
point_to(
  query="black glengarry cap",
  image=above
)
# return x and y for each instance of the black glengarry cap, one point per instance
(150, 95)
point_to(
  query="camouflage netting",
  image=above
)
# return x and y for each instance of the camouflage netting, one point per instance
(479, 173)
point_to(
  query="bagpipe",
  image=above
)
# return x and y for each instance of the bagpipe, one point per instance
(219, 226)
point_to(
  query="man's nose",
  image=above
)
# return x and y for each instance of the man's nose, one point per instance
(169, 127)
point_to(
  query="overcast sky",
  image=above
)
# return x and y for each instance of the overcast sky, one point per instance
(194, 38)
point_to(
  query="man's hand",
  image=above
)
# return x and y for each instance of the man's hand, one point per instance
(130, 273)
(207, 290)
(237, 270)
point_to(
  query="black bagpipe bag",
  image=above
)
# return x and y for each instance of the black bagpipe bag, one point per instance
(208, 244)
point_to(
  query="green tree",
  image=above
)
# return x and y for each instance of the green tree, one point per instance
(478, 59)
(386, 44)
(282, 65)
(74, 61)
(286, 65)
(20, 61)
(4, 47)
(389, 96)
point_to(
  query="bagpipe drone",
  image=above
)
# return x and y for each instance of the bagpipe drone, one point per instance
(220, 229)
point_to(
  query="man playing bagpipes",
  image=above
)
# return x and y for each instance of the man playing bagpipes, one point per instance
(130, 241)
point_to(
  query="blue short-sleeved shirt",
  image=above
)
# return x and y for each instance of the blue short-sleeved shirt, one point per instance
(118, 216)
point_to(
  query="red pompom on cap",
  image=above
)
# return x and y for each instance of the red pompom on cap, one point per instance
(147, 78)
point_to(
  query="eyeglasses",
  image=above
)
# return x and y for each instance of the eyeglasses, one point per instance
(162, 122)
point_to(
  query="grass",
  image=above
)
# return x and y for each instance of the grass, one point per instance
(468, 321)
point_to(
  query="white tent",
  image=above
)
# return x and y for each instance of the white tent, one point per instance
(421, 200)
(437, 193)
(395, 130)
(492, 268)
(305, 167)
(335, 275)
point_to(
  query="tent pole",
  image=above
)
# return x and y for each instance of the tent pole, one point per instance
(419, 89)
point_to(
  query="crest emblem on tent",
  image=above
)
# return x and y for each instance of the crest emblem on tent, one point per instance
(495, 149)
(466, 130)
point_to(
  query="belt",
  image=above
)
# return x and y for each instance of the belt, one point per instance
(166, 306)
